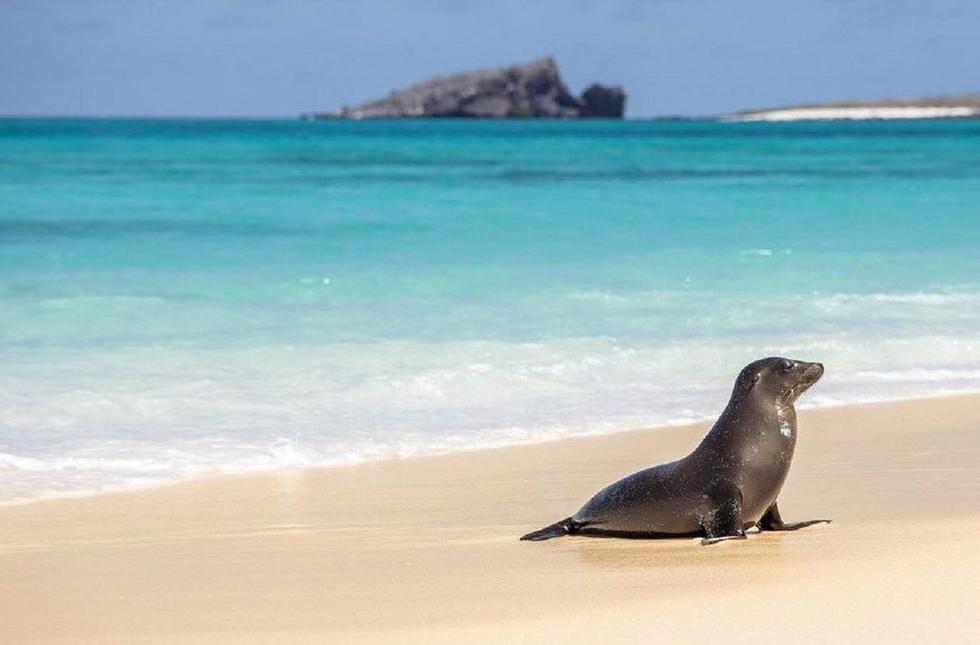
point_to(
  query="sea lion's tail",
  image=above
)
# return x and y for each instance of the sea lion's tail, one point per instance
(558, 529)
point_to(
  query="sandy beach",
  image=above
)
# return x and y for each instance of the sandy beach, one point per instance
(426, 550)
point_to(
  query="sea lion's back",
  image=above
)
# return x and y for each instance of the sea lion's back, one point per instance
(647, 501)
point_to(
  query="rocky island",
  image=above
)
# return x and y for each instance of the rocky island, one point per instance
(532, 90)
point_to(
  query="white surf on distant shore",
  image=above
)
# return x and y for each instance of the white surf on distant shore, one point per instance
(859, 113)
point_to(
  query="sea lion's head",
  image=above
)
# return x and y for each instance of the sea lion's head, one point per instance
(777, 379)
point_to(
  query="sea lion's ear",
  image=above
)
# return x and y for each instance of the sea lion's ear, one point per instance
(755, 380)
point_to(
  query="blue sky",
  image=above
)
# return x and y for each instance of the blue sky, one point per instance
(282, 57)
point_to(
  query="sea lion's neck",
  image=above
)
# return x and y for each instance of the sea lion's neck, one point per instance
(786, 417)
(745, 418)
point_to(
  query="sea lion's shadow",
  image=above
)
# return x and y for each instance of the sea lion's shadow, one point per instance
(659, 553)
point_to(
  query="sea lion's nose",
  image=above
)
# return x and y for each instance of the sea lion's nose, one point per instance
(818, 367)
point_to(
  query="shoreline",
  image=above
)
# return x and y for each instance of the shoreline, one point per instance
(426, 549)
(290, 468)
(859, 113)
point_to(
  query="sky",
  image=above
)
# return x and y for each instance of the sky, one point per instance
(284, 57)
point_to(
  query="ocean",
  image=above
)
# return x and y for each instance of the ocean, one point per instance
(186, 297)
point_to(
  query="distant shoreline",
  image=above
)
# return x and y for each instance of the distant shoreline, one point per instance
(859, 114)
(947, 107)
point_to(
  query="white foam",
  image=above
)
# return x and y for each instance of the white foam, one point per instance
(79, 477)
(915, 298)
(922, 375)
(84, 420)
(595, 294)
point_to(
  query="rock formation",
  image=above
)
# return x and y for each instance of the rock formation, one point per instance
(533, 90)
(603, 101)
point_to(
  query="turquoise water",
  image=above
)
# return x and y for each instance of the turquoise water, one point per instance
(186, 297)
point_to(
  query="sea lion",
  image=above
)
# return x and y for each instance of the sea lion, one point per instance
(727, 485)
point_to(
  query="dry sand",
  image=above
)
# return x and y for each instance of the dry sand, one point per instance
(426, 550)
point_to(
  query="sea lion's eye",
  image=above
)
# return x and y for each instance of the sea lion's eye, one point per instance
(787, 366)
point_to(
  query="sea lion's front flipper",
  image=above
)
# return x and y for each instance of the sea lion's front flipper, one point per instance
(724, 522)
(772, 521)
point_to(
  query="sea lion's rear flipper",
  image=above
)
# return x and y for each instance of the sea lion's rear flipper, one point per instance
(558, 529)
(772, 521)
